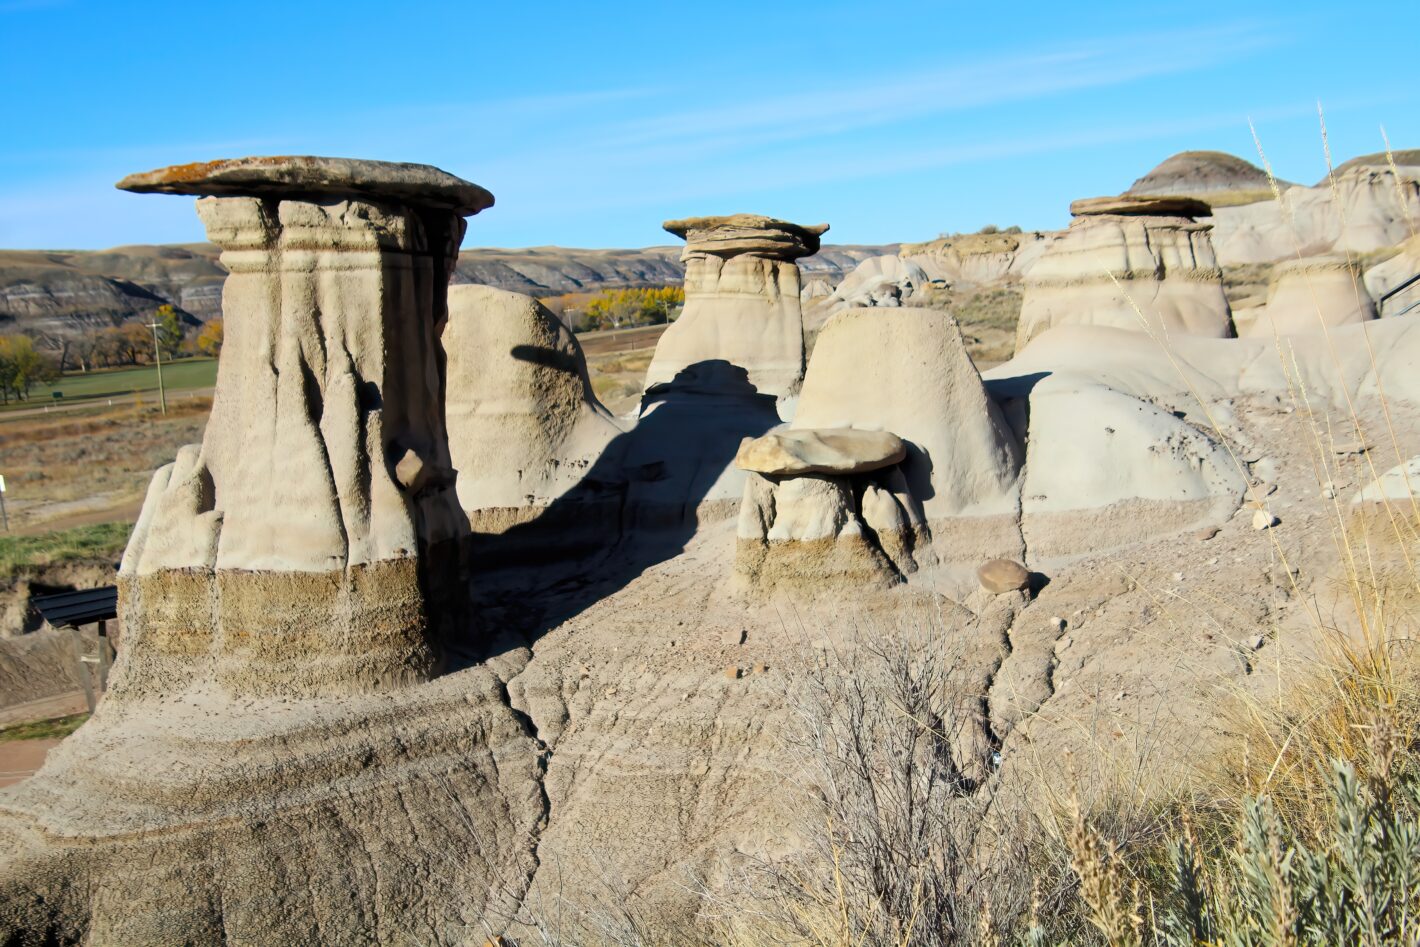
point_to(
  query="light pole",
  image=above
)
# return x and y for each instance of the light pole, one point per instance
(158, 359)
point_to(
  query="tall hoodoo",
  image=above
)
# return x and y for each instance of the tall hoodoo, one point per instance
(295, 550)
(1127, 257)
(741, 300)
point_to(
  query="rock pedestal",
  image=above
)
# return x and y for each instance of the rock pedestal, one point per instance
(741, 300)
(303, 547)
(1131, 263)
(1312, 295)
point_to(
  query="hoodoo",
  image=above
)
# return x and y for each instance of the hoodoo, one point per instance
(741, 300)
(1131, 263)
(296, 549)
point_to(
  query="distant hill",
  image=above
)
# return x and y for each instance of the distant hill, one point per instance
(51, 293)
(1217, 177)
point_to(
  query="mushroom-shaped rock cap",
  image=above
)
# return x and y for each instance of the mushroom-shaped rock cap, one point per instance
(1141, 206)
(747, 233)
(820, 451)
(419, 185)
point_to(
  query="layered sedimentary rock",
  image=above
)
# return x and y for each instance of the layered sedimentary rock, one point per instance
(295, 549)
(1366, 208)
(1312, 295)
(1132, 263)
(526, 431)
(952, 499)
(741, 300)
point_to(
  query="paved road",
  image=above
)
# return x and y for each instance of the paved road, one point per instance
(21, 759)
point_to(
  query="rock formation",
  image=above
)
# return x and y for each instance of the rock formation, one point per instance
(525, 429)
(1310, 295)
(293, 550)
(978, 259)
(1131, 263)
(1367, 209)
(741, 300)
(952, 498)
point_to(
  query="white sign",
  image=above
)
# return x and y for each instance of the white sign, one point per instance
(2, 483)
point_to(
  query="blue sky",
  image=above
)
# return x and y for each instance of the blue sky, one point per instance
(593, 122)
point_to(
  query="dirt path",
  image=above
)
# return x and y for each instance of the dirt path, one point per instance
(21, 759)
(619, 340)
(125, 510)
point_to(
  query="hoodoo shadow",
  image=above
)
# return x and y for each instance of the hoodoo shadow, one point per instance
(639, 504)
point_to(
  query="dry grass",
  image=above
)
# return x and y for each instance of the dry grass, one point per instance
(104, 457)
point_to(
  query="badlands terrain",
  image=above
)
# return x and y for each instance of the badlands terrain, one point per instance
(424, 644)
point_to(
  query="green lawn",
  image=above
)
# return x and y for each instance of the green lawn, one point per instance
(111, 383)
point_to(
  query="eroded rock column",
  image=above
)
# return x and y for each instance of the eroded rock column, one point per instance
(310, 544)
(741, 300)
(1139, 263)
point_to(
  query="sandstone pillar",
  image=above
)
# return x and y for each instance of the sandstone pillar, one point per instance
(741, 300)
(308, 544)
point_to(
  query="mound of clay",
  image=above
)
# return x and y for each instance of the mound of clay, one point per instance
(525, 428)
(1311, 295)
(741, 300)
(1149, 267)
(1201, 173)
(907, 371)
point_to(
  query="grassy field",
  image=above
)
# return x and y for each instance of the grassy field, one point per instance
(56, 729)
(180, 375)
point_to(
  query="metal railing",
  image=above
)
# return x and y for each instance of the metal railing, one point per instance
(1411, 286)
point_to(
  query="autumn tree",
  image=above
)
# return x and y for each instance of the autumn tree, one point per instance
(169, 330)
(22, 367)
(619, 308)
(209, 340)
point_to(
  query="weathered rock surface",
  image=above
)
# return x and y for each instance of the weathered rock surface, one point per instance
(741, 301)
(795, 452)
(1128, 271)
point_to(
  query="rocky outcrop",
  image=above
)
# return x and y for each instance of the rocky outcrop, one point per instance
(741, 300)
(1311, 295)
(1132, 263)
